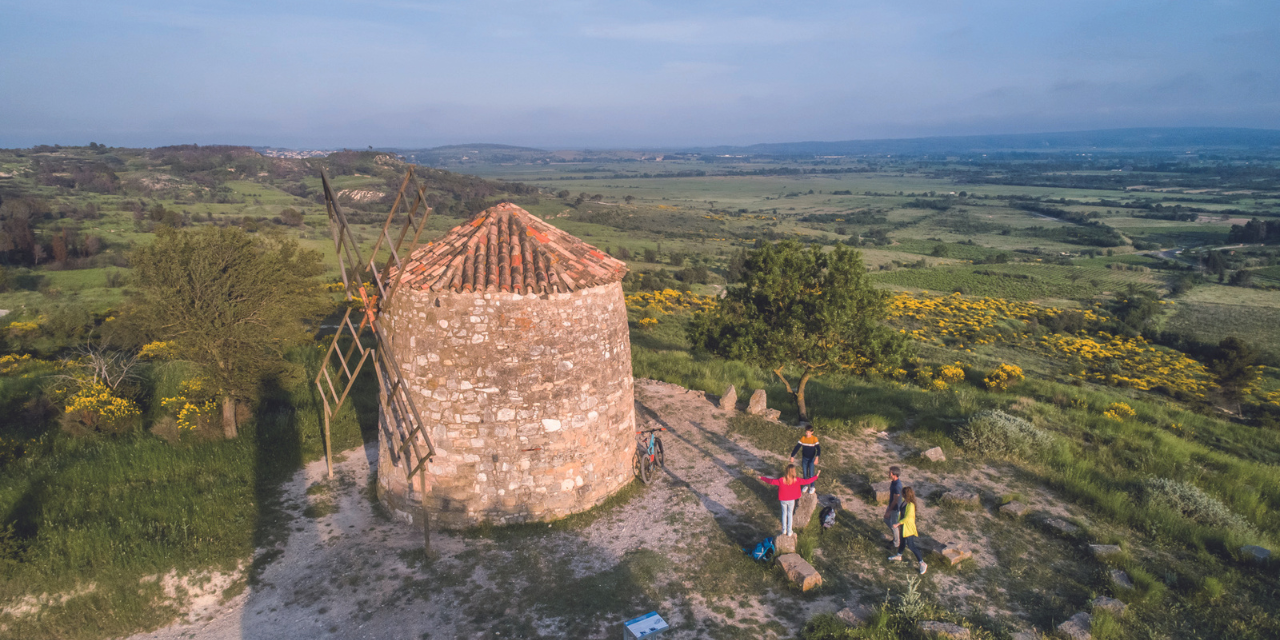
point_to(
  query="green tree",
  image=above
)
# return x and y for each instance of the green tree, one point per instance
(229, 302)
(1233, 366)
(807, 308)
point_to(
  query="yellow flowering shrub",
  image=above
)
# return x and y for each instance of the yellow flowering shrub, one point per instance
(1129, 362)
(971, 320)
(951, 373)
(1100, 357)
(94, 407)
(1003, 377)
(1119, 411)
(12, 363)
(23, 329)
(156, 351)
(648, 323)
(670, 301)
(194, 406)
(939, 385)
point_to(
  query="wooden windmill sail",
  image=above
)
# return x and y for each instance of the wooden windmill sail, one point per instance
(370, 286)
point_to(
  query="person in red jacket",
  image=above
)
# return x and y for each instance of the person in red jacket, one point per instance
(789, 487)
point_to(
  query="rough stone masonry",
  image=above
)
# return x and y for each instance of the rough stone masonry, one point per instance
(528, 396)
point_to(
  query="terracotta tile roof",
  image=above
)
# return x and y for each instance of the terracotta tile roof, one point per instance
(505, 248)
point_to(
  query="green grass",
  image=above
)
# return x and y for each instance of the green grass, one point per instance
(105, 512)
(1024, 281)
(1213, 322)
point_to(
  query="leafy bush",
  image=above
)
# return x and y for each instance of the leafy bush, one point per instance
(1192, 502)
(996, 433)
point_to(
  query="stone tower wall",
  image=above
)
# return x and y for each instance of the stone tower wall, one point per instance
(528, 398)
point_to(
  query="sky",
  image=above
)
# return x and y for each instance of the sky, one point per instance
(588, 74)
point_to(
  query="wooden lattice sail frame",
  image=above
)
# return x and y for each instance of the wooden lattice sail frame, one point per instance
(399, 419)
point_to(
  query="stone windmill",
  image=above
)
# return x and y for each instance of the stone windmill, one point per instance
(510, 337)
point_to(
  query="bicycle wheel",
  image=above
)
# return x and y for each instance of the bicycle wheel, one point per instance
(646, 469)
(659, 458)
(637, 466)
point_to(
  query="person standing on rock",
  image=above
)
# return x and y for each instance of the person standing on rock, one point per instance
(789, 487)
(908, 524)
(892, 512)
(810, 452)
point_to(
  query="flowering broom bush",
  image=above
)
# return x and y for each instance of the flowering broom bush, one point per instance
(1119, 411)
(194, 406)
(1003, 377)
(94, 408)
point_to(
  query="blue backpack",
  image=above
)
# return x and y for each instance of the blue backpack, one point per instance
(763, 551)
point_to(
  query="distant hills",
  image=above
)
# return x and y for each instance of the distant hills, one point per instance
(1103, 140)
(1139, 140)
(473, 153)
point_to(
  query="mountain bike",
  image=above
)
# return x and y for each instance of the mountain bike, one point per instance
(649, 456)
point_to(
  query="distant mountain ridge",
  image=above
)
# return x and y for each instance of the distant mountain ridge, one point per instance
(1138, 139)
(1153, 139)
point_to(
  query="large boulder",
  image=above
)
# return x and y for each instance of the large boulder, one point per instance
(935, 629)
(1121, 579)
(1104, 550)
(962, 497)
(729, 401)
(1014, 509)
(759, 403)
(1255, 553)
(855, 616)
(1060, 526)
(1077, 627)
(804, 510)
(1115, 607)
(934, 455)
(881, 492)
(799, 571)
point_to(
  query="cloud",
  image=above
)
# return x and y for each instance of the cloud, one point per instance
(750, 30)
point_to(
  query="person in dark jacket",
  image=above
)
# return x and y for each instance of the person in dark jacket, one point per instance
(810, 451)
(891, 513)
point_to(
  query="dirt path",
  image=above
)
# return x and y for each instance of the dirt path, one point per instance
(346, 571)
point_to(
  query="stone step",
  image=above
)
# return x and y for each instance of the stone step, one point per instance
(1014, 509)
(799, 571)
(785, 544)
(956, 556)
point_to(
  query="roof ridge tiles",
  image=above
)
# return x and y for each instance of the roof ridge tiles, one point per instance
(505, 248)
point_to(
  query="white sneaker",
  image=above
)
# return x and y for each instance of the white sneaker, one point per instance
(897, 558)
(923, 567)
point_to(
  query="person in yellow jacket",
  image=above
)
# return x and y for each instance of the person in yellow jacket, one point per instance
(908, 523)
